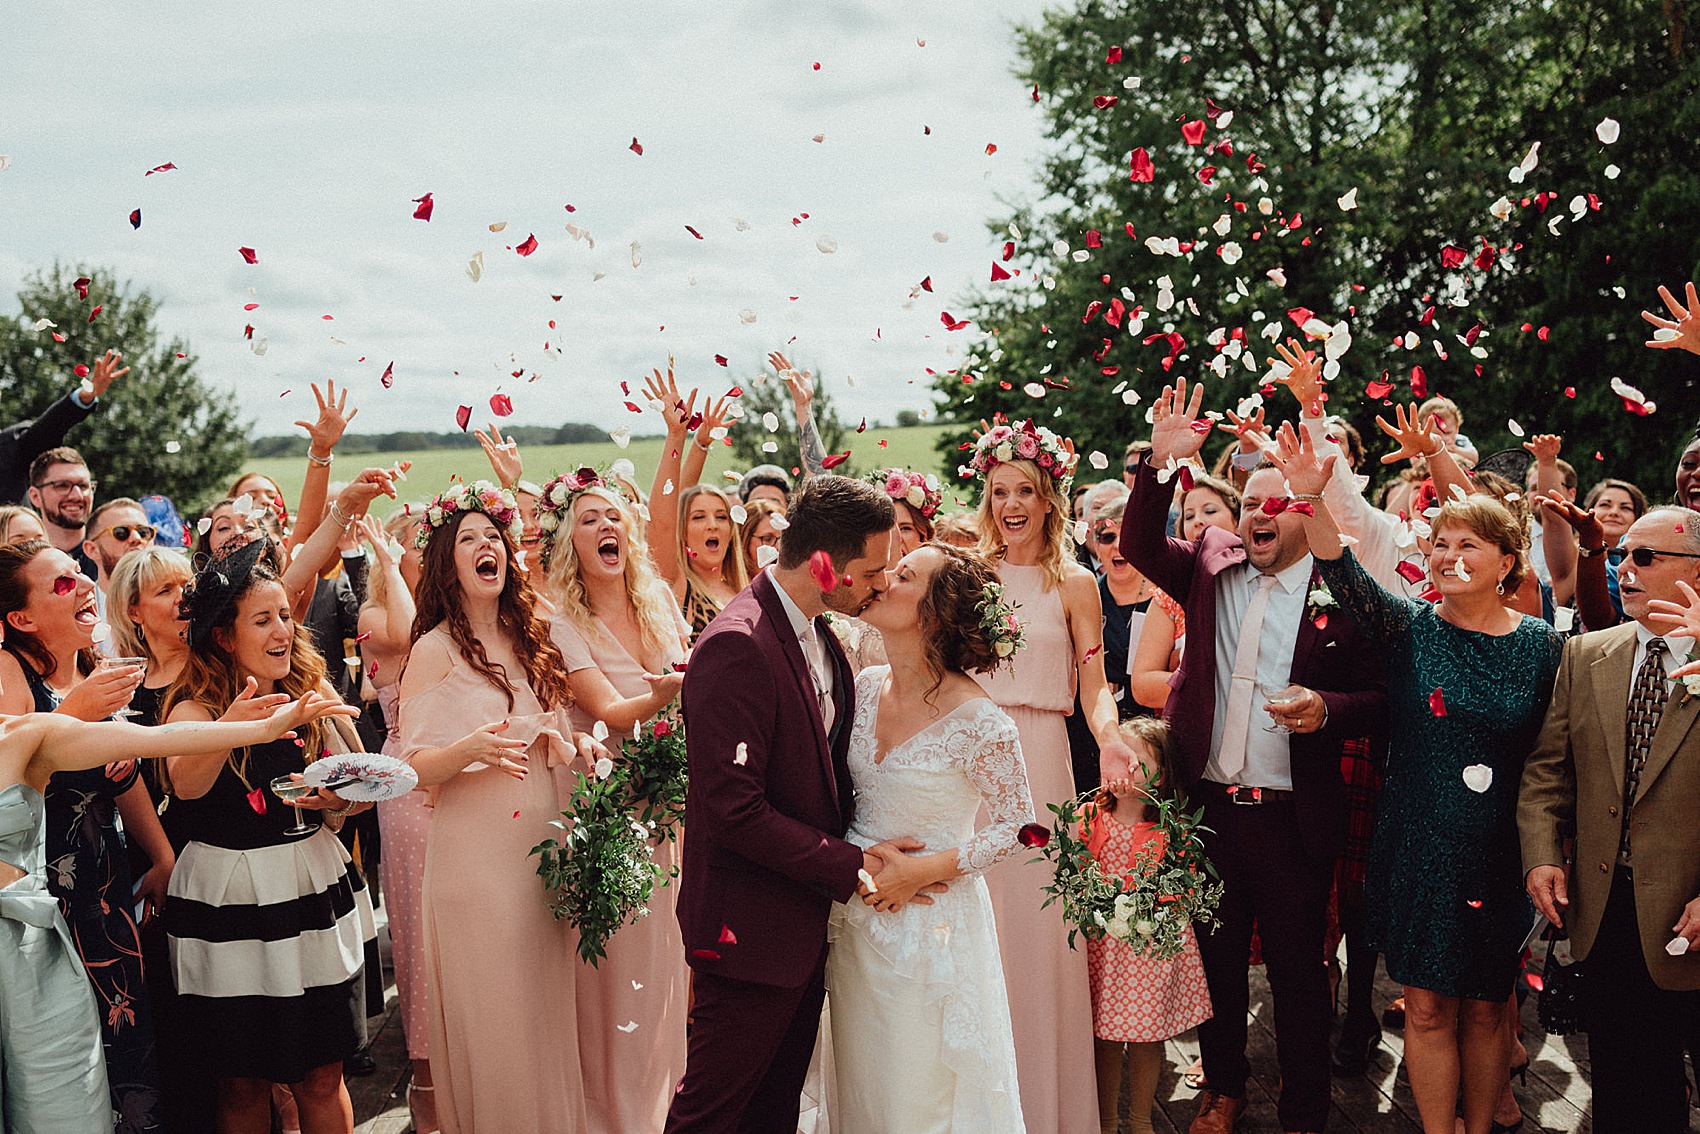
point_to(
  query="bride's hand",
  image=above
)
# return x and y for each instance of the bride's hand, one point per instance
(903, 877)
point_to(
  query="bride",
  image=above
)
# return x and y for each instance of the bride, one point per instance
(920, 1017)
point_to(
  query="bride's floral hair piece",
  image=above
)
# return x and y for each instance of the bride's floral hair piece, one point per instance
(558, 495)
(480, 496)
(1023, 441)
(999, 623)
(920, 492)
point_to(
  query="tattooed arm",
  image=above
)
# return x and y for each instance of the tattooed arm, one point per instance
(809, 444)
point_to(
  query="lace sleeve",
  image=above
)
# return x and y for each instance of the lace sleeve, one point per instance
(997, 772)
(1382, 616)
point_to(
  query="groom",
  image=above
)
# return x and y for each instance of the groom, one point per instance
(769, 703)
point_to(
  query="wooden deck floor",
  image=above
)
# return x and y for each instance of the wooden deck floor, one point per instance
(1555, 1100)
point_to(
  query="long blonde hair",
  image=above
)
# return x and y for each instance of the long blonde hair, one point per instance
(140, 571)
(657, 614)
(1053, 550)
(733, 572)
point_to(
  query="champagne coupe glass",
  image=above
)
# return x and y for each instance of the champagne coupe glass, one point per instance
(119, 663)
(1281, 698)
(289, 789)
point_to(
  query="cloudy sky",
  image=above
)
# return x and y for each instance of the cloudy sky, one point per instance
(304, 130)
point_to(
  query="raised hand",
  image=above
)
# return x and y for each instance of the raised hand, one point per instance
(713, 417)
(802, 392)
(1251, 429)
(1175, 435)
(106, 372)
(1582, 521)
(674, 410)
(288, 717)
(503, 453)
(374, 535)
(1295, 456)
(1303, 378)
(1684, 326)
(1414, 440)
(353, 500)
(1545, 447)
(1683, 618)
(324, 433)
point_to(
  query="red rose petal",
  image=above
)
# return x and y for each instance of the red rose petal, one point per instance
(388, 378)
(998, 272)
(463, 415)
(1437, 703)
(926, 284)
(1378, 390)
(528, 247)
(135, 218)
(423, 212)
(636, 147)
(1410, 571)
(727, 937)
(1104, 102)
(95, 314)
(249, 255)
(1114, 55)
(80, 370)
(1452, 257)
(721, 359)
(64, 585)
(951, 322)
(704, 955)
(833, 460)
(1419, 383)
(1570, 391)
(820, 566)
(1321, 621)
(257, 800)
(501, 405)
(1193, 132)
(693, 232)
(1142, 168)
(81, 283)
(1034, 835)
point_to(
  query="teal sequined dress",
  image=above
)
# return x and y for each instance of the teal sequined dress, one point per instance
(1444, 895)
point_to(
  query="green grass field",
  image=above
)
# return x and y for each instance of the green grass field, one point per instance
(909, 448)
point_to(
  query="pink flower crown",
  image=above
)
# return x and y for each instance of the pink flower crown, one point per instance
(555, 502)
(480, 496)
(912, 488)
(1023, 441)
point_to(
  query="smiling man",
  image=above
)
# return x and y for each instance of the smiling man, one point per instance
(1618, 766)
(63, 492)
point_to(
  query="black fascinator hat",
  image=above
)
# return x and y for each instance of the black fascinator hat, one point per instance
(214, 589)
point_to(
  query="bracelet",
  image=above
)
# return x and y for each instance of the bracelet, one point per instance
(338, 518)
(1440, 447)
(1590, 552)
(1309, 497)
(700, 445)
(338, 812)
(323, 462)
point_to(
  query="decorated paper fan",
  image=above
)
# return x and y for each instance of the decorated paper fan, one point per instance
(363, 777)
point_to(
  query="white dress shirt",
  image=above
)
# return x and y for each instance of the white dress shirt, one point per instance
(1268, 761)
(1383, 541)
(1676, 654)
(814, 652)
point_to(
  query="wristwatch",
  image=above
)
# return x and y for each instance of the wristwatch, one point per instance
(1590, 552)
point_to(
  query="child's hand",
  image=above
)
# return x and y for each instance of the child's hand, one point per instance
(1127, 790)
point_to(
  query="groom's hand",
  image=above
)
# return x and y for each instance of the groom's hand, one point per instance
(899, 877)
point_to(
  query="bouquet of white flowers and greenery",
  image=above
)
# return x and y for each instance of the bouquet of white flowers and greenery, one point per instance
(1171, 884)
(601, 872)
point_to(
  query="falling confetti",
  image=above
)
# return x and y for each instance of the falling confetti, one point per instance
(423, 212)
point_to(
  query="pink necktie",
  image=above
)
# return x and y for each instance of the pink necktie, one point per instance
(1242, 686)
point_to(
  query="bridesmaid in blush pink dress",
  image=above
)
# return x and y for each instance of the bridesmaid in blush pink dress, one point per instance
(622, 635)
(1023, 522)
(503, 1012)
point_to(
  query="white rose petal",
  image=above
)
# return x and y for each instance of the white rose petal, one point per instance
(604, 768)
(1478, 777)
(826, 244)
(1607, 131)
(1516, 430)
(101, 632)
(1678, 945)
(766, 554)
(1097, 460)
(1349, 201)
(780, 523)
(1612, 172)
(622, 436)
(742, 756)
(746, 316)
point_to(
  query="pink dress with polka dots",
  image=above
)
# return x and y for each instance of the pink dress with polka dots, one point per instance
(1137, 999)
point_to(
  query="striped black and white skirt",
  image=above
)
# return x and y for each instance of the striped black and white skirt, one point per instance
(268, 951)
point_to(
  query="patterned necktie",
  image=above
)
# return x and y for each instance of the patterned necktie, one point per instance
(1646, 704)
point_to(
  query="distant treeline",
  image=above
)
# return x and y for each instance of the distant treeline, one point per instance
(412, 441)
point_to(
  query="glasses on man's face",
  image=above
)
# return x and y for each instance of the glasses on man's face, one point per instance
(66, 487)
(1643, 556)
(123, 532)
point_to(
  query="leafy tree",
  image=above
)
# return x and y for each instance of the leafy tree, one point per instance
(765, 394)
(1264, 125)
(160, 428)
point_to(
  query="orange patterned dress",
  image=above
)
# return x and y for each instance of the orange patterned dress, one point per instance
(1138, 999)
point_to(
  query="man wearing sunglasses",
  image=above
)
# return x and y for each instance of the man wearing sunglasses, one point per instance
(116, 528)
(1618, 767)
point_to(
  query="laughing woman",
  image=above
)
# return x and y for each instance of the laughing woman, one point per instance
(504, 1038)
(624, 643)
(1023, 521)
(268, 929)
(48, 667)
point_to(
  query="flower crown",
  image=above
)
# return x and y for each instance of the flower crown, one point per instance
(998, 622)
(555, 502)
(480, 496)
(912, 488)
(1024, 441)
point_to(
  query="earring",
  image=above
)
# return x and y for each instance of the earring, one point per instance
(1500, 588)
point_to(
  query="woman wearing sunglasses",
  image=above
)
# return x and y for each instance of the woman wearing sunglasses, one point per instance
(49, 666)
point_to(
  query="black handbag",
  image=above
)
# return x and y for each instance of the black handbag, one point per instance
(1563, 989)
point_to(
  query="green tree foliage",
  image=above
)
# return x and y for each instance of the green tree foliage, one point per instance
(765, 394)
(160, 428)
(1418, 109)
(413, 440)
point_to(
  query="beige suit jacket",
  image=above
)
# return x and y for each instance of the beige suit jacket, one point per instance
(1573, 785)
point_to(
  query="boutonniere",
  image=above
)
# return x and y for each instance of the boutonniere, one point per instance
(1318, 602)
(1690, 682)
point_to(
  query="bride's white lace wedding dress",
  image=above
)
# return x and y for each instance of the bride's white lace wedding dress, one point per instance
(920, 1017)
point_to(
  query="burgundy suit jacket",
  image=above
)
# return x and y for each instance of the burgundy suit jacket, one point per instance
(1335, 660)
(770, 797)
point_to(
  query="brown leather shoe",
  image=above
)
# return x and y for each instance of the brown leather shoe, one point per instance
(1217, 1113)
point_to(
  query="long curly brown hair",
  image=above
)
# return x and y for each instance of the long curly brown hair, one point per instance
(212, 679)
(439, 601)
(954, 638)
